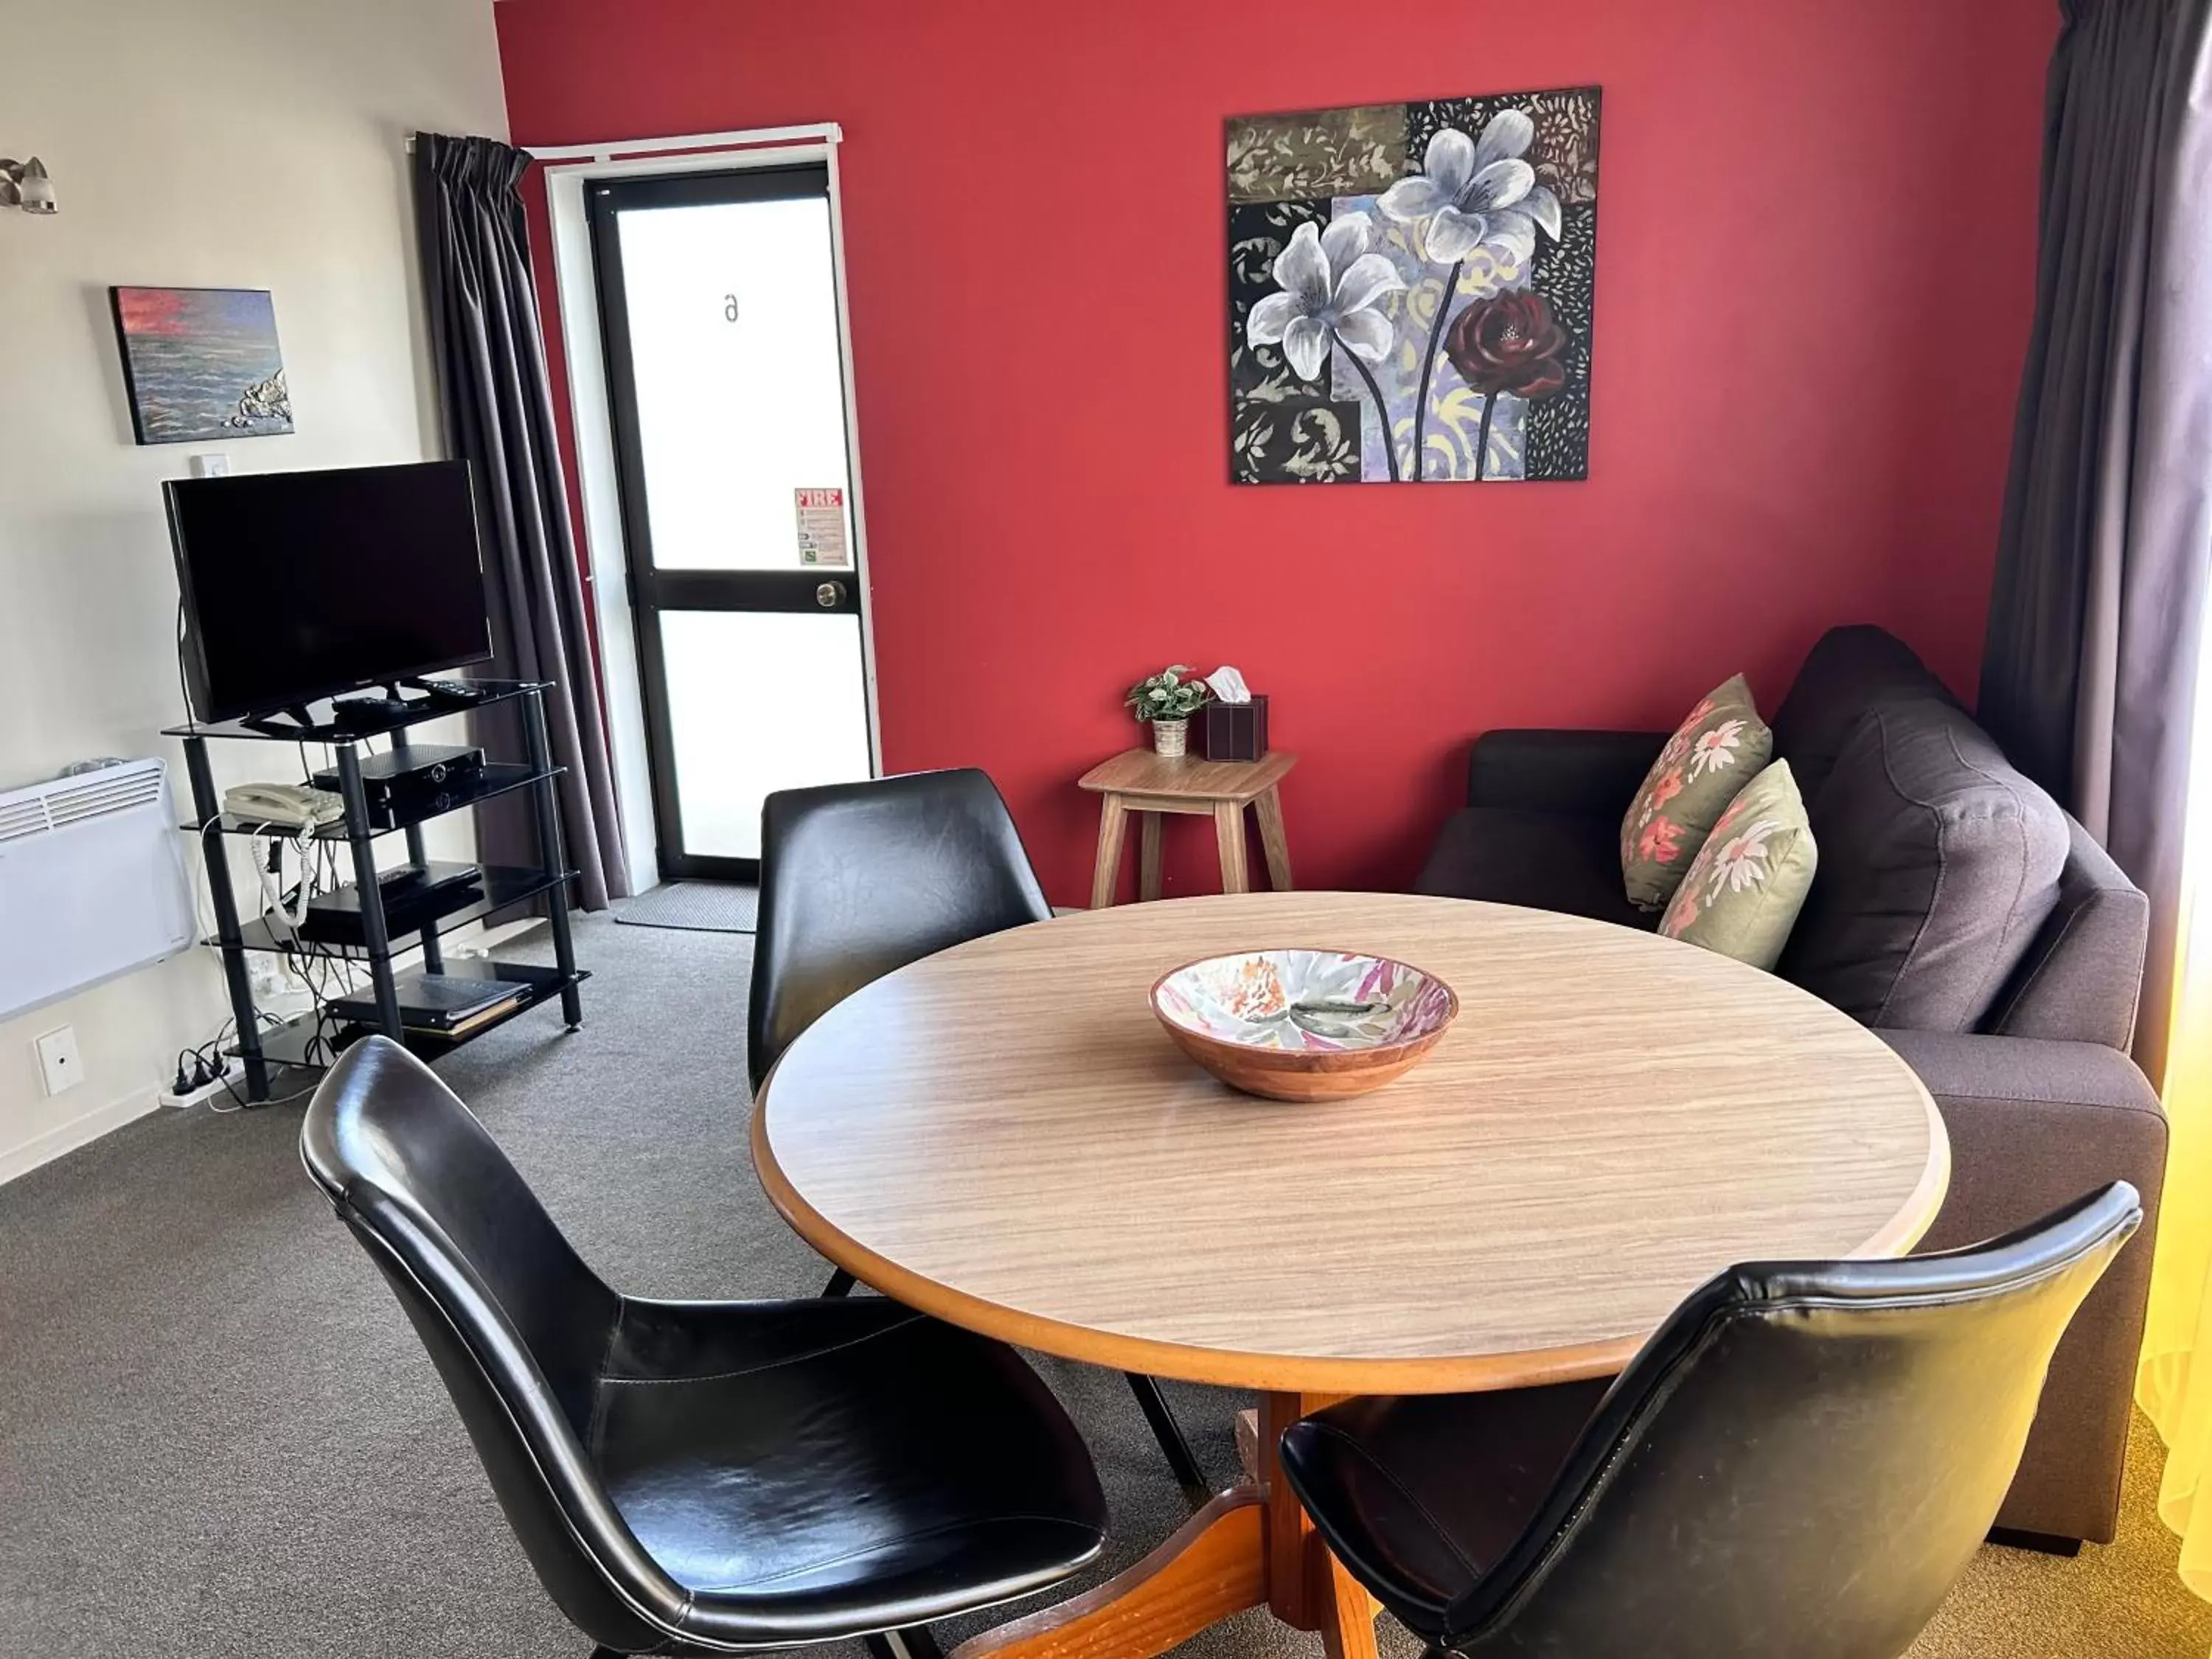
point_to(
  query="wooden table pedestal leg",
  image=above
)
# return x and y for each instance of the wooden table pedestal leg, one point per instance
(1250, 1546)
(1113, 826)
(1307, 1586)
(1211, 1566)
(1342, 1607)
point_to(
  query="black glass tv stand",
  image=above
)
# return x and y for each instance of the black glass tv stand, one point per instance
(315, 1038)
(370, 715)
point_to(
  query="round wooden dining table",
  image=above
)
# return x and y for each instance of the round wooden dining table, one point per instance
(1003, 1136)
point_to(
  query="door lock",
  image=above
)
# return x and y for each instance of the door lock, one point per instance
(829, 595)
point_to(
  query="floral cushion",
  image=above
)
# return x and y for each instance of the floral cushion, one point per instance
(1741, 894)
(1722, 743)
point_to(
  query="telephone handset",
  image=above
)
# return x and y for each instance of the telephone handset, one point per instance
(283, 805)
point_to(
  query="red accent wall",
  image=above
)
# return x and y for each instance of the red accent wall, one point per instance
(1815, 269)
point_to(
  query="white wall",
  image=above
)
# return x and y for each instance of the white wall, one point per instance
(248, 143)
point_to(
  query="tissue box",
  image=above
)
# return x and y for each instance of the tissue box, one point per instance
(1234, 730)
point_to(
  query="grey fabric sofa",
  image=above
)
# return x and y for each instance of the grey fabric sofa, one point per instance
(1960, 913)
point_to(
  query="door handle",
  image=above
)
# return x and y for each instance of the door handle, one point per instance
(830, 595)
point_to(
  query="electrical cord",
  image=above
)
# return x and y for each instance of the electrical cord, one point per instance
(310, 964)
(326, 974)
(270, 869)
(239, 1103)
(204, 1063)
(201, 923)
(207, 1062)
(322, 972)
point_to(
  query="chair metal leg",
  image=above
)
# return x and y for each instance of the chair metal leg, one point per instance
(840, 1284)
(1168, 1433)
(913, 1643)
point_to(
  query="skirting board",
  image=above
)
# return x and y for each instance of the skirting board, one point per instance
(77, 1132)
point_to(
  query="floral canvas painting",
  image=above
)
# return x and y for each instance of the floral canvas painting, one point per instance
(201, 362)
(1411, 291)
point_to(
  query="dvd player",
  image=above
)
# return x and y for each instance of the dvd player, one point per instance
(414, 897)
(456, 1000)
(413, 773)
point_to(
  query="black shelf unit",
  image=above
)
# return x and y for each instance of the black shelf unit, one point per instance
(313, 1039)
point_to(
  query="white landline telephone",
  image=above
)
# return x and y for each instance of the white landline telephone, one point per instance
(283, 805)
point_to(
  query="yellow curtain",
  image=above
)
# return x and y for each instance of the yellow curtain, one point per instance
(2175, 1382)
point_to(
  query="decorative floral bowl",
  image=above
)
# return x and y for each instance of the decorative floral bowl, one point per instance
(1304, 1025)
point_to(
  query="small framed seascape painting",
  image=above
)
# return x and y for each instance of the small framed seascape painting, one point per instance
(201, 362)
(1411, 291)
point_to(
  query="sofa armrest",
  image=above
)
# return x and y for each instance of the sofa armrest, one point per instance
(1589, 774)
(2034, 1125)
(2030, 1074)
(2081, 978)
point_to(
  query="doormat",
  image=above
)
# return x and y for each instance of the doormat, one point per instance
(703, 907)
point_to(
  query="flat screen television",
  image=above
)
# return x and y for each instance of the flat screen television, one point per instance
(304, 585)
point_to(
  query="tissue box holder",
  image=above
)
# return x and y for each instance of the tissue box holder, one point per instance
(1234, 730)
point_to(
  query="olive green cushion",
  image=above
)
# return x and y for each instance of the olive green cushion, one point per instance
(1741, 894)
(1722, 743)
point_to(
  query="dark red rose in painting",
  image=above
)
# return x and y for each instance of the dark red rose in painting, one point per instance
(1509, 343)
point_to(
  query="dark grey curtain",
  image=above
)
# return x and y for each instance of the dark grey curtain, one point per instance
(498, 408)
(2089, 668)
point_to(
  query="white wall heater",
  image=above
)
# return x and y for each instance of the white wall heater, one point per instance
(92, 882)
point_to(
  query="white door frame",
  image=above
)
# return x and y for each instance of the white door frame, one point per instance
(568, 167)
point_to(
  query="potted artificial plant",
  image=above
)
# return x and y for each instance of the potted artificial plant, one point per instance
(1168, 700)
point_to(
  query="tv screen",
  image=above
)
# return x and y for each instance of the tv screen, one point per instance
(303, 585)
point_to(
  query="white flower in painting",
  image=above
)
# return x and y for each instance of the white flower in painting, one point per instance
(1715, 749)
(1471, 193)
(1332, 286)
(1741, 862)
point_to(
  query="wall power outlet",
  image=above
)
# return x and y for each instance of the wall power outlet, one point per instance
(266, 978)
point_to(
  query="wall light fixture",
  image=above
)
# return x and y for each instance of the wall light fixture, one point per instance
(25, 185)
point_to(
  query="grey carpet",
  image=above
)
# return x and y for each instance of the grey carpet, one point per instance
(219, 1438)
(706, 907)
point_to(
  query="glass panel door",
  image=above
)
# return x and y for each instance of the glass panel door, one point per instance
(718, 296)
(737, 730)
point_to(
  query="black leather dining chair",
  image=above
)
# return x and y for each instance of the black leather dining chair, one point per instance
(1801, 1462)
(700, 1477)
(857, 879)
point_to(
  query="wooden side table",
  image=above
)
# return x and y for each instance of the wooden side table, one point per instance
(1138, 780)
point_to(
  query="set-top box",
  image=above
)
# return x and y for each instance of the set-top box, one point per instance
(414, 774)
